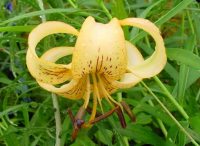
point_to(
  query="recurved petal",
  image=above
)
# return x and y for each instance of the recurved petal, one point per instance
(44, 70)
(134, 58)
(156, 62)
(73, 89)
(127, 81)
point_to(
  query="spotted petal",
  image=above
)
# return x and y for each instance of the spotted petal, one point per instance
(156, 62)
(44, 70)
(129, 79)
(75, 88)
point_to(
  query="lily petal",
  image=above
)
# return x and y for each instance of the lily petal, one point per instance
(44, 70)
(156, 62)
(100, 48)
(134, 58)
(74, 89)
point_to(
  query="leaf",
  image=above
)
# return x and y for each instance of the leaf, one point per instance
(104, 135)
(5, 81)
(56, 4)
(69, 11)
(194, 123)
(155, 112)
(192, 77)
(118, 9)
(184, 70)
(144, 118)
(144, 135)
(184, 56)
(33, 3)
(171, 13)
(65, 131)
(10, 136)
(176, 135)
(83, 140)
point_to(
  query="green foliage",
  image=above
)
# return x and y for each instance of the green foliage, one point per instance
(26, 110)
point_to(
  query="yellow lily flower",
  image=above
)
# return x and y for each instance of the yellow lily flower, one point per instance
(102, 60)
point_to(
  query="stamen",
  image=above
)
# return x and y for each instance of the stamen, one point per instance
(108, 95)
(121, 117)
(101, 117)
(101, 86)
(128, 111)
(93, 108)
(87, 93)
(94, 103)
(96, 91)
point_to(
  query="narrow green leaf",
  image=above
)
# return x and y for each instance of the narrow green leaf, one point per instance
(171, 13)
(13, 108)
(104, 135)
(119, 11)
(194, 123)
(184, 71)
(144, 135)
(17, 28)
(49, 11)
(184, 56)
(56, 4)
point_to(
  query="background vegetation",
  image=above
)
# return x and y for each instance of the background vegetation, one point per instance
(167, 107)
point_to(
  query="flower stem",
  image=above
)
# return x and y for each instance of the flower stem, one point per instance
(171, 98)
(119, 99)
(54, 97)
(162, 126)
(160, 123)
(167, 93)
(57, 119)
(171, 116)
(41, 5)
(72, 4)
(105, 9)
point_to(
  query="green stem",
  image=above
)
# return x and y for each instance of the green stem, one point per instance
(162, 126)
(160, 123)
(171, 98)
(72, 4)
(167, 93)
(41, 5)
(190, 22)
(119, 99)
(57, 119)
(171, 116)
(27, 28)
(119, 96)
(198, 95)
(105, 10)
(54, 97)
